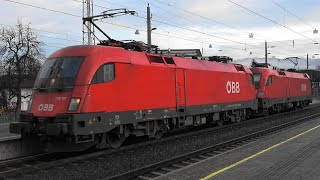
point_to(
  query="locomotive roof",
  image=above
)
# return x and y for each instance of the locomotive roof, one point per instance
(118, 54)
(268, 72)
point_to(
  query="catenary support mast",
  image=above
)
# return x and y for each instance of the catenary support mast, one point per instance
(88, 28)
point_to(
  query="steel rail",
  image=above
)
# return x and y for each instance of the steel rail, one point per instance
(161, 168)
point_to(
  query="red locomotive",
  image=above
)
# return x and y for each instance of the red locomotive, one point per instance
(279, 89)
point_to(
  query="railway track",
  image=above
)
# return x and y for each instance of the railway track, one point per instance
(159, 169)
(31, 164)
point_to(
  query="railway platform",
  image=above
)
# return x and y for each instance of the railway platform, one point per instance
(290, 154)
(5, 135)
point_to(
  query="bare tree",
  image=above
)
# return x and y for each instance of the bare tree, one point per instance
(21, 53)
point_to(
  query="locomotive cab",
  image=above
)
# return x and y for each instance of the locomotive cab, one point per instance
(54, 86)
(60, 97)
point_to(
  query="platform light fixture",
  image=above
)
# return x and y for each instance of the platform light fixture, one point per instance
(315, 31)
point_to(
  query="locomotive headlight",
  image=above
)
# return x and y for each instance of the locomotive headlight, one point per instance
(74, 103)
(260, 94)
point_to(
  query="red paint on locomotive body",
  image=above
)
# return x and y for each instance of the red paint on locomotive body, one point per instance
(142, 84)
(56, 103)
(211, 82)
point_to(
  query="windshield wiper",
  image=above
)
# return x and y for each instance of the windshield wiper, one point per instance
(42, 89)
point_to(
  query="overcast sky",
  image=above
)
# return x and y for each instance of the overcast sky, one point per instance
(183, 24)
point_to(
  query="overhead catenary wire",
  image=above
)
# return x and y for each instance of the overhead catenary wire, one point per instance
(180, 17)
(273, 21)
(138, 16)
(282, 7)
(50, 32)
(73, 15)
(215, 21)
(192, 30)
(59, 38)
(52, 10)
(41, 35)
(177, 26)
(191, 20)
(191, 40)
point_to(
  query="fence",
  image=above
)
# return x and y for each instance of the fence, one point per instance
(7, 115)
(315, 88)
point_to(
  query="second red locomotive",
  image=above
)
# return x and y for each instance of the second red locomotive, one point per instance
(279, 89)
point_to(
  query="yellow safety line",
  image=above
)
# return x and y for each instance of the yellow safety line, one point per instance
(257, 154)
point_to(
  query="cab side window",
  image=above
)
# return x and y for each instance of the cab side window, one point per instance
(269, 81)
(105, 73)
(251, 79)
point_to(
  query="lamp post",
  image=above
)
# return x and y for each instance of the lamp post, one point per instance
(308, 59)
(266, 51)
(149, 29)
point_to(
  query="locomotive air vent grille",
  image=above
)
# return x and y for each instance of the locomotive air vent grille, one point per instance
(156, 59)
(169, 60)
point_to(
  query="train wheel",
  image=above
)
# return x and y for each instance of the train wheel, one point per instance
(115, 140)
(220, 123)
(158, 134)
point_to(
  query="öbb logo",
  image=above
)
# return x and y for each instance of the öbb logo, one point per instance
(233, 87)
(45, 107)
(303, 87)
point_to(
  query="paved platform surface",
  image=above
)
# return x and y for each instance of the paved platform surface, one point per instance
(4, 133)
(291, 154)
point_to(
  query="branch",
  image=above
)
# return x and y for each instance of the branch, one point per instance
(26, 96)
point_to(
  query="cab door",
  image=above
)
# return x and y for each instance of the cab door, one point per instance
(180, 90)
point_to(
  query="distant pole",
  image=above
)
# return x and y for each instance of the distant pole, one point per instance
(307, 61)
(149, 24)
(266, 52)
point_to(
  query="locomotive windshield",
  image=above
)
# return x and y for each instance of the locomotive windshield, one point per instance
(256, 79)
(58, 74)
